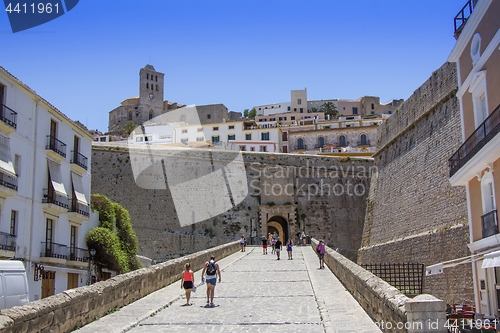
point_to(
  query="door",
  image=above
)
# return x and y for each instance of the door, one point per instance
(72, 281)
(76, 148)
(48, 238)
(48, 283)
(53, 133)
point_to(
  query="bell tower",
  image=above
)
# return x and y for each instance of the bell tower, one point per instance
(151, 87)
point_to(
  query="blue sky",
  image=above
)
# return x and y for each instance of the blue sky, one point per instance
(240, 53)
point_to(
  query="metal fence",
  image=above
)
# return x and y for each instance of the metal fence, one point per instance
(407, 277)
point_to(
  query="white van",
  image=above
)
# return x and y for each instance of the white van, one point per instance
(13, 284)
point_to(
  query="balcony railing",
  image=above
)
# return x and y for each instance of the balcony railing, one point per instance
(77, 207)
(54, 250)
(55, 199)
(490, 224)
(7, 242)
(462, 17)
(77, 254)
(481, 136)
(8, 181)
(8, 116)
(56, 145)
(79, 159)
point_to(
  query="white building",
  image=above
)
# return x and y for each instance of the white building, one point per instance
(44, 190)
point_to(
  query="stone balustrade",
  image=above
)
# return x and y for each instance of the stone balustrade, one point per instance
(77, 307)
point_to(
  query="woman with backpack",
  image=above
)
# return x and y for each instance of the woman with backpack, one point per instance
(187, 282)
(209, 274)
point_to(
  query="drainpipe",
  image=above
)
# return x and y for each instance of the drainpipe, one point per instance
(32, 184)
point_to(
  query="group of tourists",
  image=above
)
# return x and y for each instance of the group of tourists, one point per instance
(276, 245)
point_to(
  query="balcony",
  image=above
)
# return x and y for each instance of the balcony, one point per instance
(54, 253)
(8, 118)
(8, 185)
(57, 146)
(481, 136)
(78, 212)
(78, 159)
(54, 203)
(78, 257)
(7, 245)
(490, 224)
(463, 16)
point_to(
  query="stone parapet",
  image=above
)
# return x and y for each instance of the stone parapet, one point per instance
(77, 307)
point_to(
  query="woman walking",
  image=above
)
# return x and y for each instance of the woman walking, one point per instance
(242, 243)
(187, 282)
(320, 250)
(289, 245)
(212, 271)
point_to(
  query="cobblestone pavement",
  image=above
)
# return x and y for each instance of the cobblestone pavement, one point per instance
(257, 294)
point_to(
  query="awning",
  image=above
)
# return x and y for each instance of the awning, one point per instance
(78, 188)
(491, 260)
(56, 179)
(6, 165)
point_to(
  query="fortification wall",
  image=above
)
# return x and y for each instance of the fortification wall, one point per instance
(322, 188)
(413, 213)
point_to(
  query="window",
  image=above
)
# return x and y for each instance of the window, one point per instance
(479, 98)
(152, 86)
(231, 127)
(139, 139)
(200, 130)
(200, 138)
(130, 115)
(373, 106)
(300, 144)
(488, 192)
(299, 101)
(215, 139)
(150, 114)
(243, 148)
(289, 108)
(147, 85)
(48, 237)
(231, 137)
(301, 110)
(252, 148)
(184, 141)
(293, 118)
(156, 78)
(263, 148)
(285, 136)
(147, 76)
(363, 140)
(13, 222)
(373, 112)
(294, 109)
(215, 128)
(264, 136)
(184, 131)
(248, 136)
(321, 142)
(17, 164)
(149, 138)
(342, 141)
(208, 116)
(354, 110)
(72, 243)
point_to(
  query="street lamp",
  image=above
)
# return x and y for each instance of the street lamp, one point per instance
(92, 254)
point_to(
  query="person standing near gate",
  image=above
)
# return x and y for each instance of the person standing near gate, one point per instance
(212, 270)
(278, 247)
(264, 245)
(289, 249)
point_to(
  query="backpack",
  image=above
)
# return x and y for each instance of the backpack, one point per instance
(211, 269)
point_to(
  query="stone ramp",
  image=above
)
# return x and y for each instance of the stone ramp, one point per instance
(257, 294)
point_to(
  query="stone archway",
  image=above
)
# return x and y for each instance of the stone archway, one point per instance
(282, 218)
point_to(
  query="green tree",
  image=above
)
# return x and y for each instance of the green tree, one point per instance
(114, 240)
(314, 110)
(329, 108)
(252, 113)
(129, 128)
(245, 113)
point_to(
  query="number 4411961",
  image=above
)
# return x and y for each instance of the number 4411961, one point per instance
(39, 8)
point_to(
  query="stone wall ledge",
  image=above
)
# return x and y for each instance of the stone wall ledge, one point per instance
(80, 306)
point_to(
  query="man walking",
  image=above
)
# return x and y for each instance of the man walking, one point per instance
(264, 245)
(212, 270)
(278, 247)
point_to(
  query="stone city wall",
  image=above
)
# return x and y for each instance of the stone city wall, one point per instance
(78, 307)
(320, 187)
(413, 213)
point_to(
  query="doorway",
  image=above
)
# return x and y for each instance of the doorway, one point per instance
(48, 283)
(279, 225)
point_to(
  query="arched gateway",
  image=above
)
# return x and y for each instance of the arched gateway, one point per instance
(280, 219)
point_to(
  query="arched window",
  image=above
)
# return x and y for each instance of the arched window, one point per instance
(300, 144)
(321, 142)
(488, 192)
(147, 85)
(363, 140)
(342, 141)
(150, 114)
(130, 115)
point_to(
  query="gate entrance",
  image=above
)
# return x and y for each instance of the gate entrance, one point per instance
(279, 225)
(280, 219)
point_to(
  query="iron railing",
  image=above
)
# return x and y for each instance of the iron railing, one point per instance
(7, 241)
(463, 16)
(8, 116)
(79, 208)
(407, 277)
(477, 140)
(490, 224)
(56, 145)
(8, 181)
(79, 159)
(78, 254)
(54, 198)
(54, 250)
